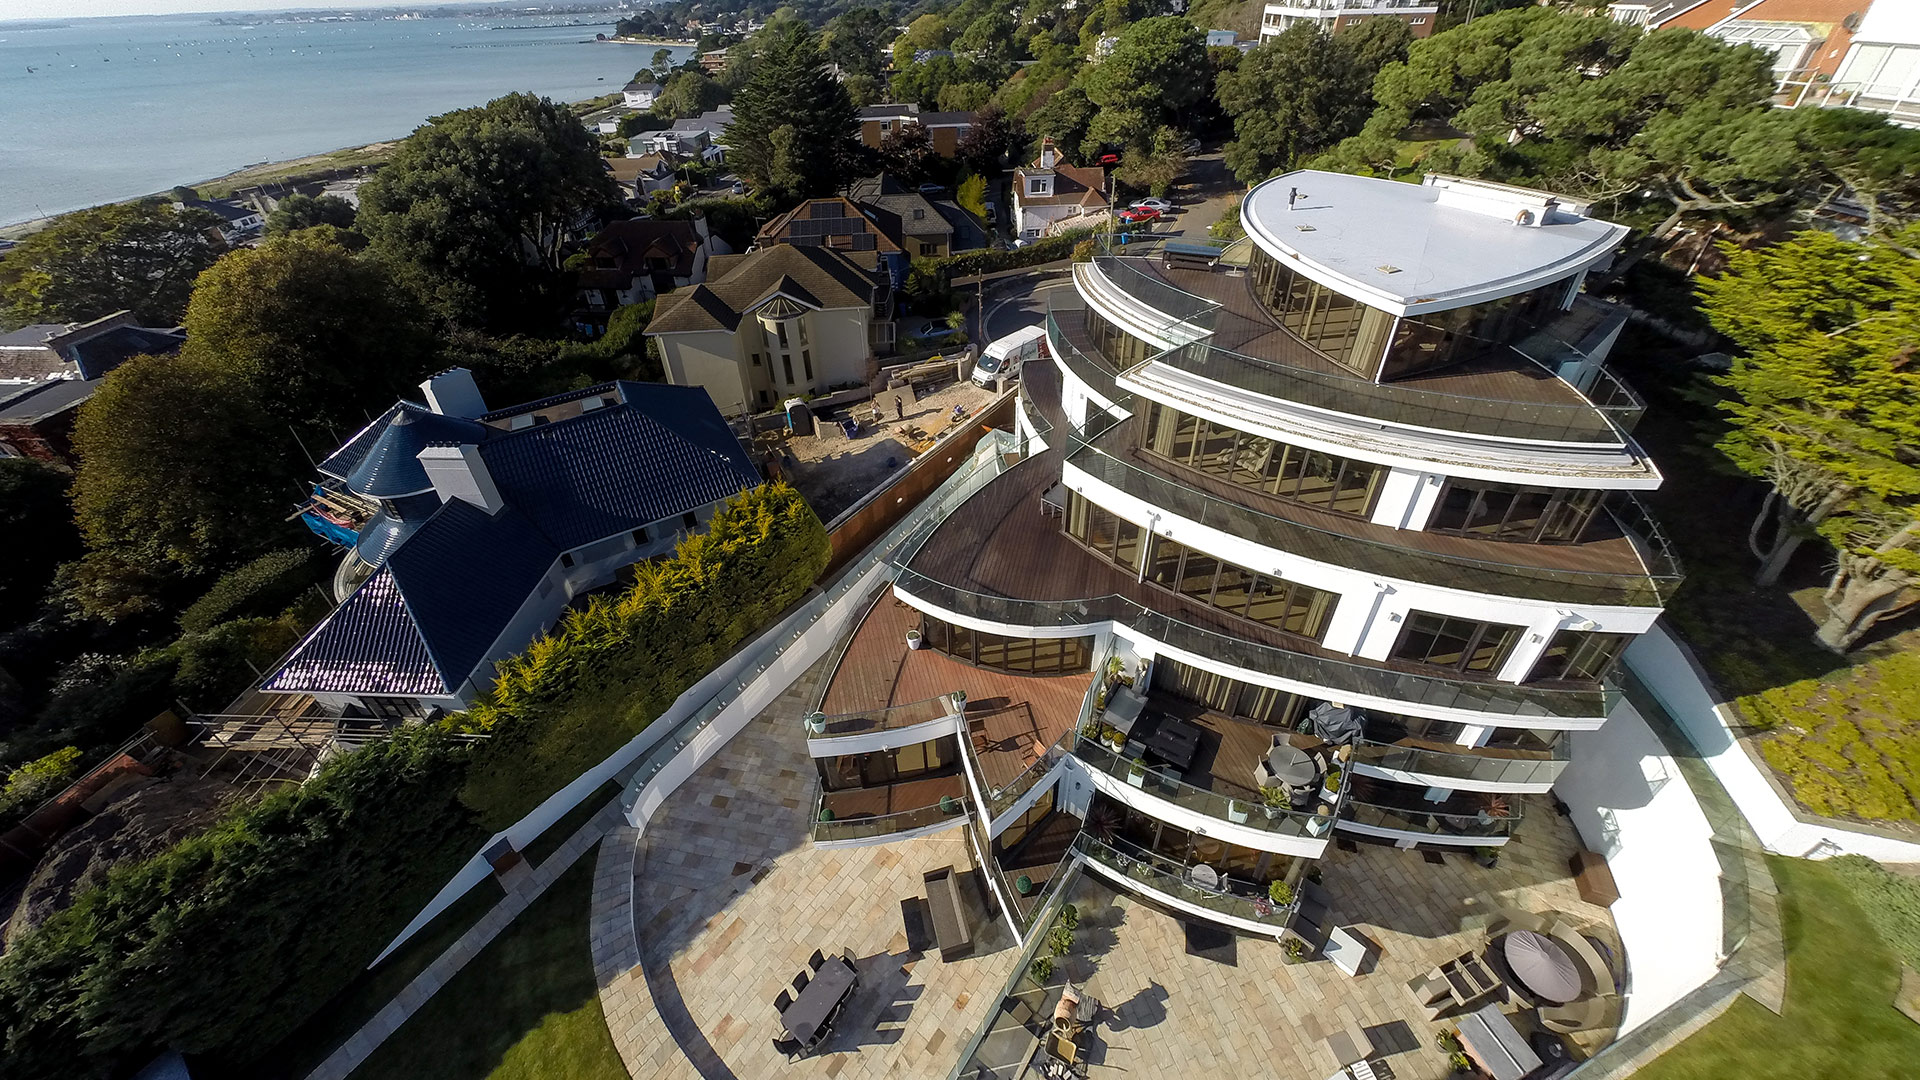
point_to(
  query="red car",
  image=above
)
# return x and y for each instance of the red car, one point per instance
(1109, 159)
(1138, 215)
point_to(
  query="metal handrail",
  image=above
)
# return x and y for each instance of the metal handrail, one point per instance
(1370, 556)
(1159, 782)
(1329, 674)
(1466, 763)
(860, 828)
(1156, 871)
(1405, 819)
(891, 718)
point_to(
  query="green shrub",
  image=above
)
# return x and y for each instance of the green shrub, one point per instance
(264, 586)
(577, 695)
(35, 782)
(225, 942)
(220, 663)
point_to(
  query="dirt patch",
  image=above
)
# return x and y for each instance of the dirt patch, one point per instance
(143, 822)
(833, 472)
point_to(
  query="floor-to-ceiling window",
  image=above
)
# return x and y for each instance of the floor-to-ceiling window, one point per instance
(1021, 655)
(1258, 463)
(1456, 644)
(1514, 512)
(1345, 330)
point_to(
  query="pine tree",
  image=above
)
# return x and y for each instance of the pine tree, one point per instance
(793, 123)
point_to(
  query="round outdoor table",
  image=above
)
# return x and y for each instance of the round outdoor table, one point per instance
(1292, 766)
(1542, 966)
(1204, 876)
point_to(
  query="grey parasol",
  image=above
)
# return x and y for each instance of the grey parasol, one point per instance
(1542, 966)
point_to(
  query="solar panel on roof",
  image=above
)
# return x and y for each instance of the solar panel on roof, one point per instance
(828, 210)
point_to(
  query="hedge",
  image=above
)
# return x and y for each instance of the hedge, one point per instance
(227, 941)
(264, 586)
(574, 697)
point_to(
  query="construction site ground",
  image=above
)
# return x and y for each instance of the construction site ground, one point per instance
(833, 473)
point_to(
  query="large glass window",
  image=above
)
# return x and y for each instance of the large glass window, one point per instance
(1113, 537)
(1120, 348)
(1511, 512)
(1259, 463)
(1261, 704)
(1458, 644)
(1347, 331)
(1438, 338)
(1024, 656)
(1576, 655)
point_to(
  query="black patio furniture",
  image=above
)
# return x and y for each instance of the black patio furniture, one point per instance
(790, 1047)
(783, 1002)
(800, 983)
(1174, 741)
(816, 960)
(812, 1014)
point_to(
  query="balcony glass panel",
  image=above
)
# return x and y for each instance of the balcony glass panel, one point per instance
(1439, 826)
(1482, 766)
(1160, 782)
(1171, 879)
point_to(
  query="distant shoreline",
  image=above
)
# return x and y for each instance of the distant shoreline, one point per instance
(648, 41)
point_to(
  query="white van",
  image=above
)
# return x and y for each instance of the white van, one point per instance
(1002, 358)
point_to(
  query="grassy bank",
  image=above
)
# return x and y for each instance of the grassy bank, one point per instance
(1839, 1019)
(526, 1007)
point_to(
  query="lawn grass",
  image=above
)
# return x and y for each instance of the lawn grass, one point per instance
(1839, 1020)
(527, 1007)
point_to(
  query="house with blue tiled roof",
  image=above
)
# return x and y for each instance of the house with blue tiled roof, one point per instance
(468, 531)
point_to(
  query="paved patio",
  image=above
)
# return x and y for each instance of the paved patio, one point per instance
(1243, 1007)
(730, 898)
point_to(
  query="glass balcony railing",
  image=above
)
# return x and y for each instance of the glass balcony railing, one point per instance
(1091, 370)
(1328, 674)
(1171, 307)
(1372, 556)
(867, 827)
(1438, 826)
(1481, 765)
(1242, 900)
(1408, 406)
(1160, 782)
(892, 718)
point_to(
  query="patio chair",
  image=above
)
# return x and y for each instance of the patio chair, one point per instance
(782, 1003)
(846, 957)
(789, 1047)
(800, 982)
(1509, 921)
(815, 961)
(1582, 1015)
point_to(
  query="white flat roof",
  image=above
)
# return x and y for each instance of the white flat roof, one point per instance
(1344, 231)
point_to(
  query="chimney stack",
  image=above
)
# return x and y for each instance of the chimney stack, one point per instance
(454, 393)
(459, 472)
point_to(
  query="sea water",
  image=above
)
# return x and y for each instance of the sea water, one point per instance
(98, 110)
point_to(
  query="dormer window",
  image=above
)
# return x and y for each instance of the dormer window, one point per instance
(1039, 185)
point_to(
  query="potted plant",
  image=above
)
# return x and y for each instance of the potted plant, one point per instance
(826, 813)
(1112, 737)
(949, 805)
(1277, 801)
(1042, 969)
(1023, 885)
(1236, 811)
(816, 723)
(1136, 774)
(1322, 820)
(1330, 785)
(1280, 892)
(914, 640)
(1295, 950)
(1104, 823)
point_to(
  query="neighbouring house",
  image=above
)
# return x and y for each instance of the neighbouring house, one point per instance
(680, 145)
(237, 222)
(946, 129)
(471, 531)
(632, 261)
(1658, 13)
(640, 94)
(840, 224)
(607, 125)
(784, 321)
(641, 176)
(1222, 39)
(912, 220)
(1334, 16)
(1050, 194)
(714, 62)
(48, 370)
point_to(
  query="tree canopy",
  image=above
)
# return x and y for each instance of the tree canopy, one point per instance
(473, 208)
(38, 525)
(297, 212)
(1824, 406)
(1156, 72)
(857, 40)
(140, 257)
(1302, 92)
(793, 124)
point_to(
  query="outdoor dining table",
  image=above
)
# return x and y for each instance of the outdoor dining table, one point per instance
(805, 1019)
(1175, 742)
(1489, 1038)
(1292, 766)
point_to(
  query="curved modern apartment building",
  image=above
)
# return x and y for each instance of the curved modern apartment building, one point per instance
(1331, 536)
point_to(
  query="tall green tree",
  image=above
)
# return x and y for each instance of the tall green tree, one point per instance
(474, 208)
(1065, 118)
(793, 124)
(1824, 406)
(318, 337)
(140, 257)
(297, 212)
(1156, 72)
(38, 524)
(1296, 95)
(688, 93)
(907, 154)
(988, 144)
(857, 40)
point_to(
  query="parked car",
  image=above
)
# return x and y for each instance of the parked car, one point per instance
(933, 189)
(1109, 159)
(1136, 216)
(1158, 206)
